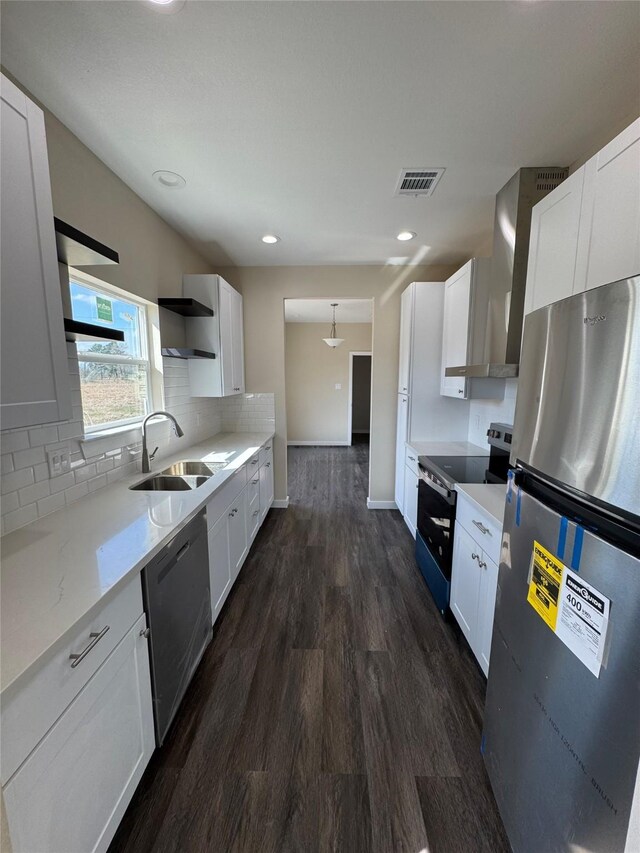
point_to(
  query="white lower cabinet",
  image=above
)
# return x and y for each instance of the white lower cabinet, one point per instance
(219, 564)
(72, 791)
(410, 502)
(238, 539)
(266, 488)
(474, 580)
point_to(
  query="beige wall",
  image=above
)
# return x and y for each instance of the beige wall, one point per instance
(264, 290)
(89, 196)
(316, 411)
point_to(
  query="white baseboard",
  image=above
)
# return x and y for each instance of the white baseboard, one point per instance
(317, 444)
(282, 504)
(381, 504)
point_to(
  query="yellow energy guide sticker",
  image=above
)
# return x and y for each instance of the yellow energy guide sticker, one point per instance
(544, 584)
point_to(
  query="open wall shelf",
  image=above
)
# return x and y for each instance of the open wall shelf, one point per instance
(183, 352)
(77, 331)
(186, 307)
(79, 250)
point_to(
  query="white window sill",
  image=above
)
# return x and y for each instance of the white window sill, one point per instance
(96, 443)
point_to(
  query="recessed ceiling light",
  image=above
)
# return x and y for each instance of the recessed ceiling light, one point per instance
(170, 180)
(406, 235)
(270, 238)
(166, 7)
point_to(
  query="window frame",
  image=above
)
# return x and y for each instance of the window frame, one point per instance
(149, 341)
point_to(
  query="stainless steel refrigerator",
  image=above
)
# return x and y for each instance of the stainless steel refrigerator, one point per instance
(561, 736)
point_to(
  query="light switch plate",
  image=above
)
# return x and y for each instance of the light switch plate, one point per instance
(58, 459)
(338, 386)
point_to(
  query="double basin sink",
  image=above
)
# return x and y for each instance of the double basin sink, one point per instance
(180, 477)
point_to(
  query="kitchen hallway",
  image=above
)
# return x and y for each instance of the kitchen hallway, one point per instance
(334, 709)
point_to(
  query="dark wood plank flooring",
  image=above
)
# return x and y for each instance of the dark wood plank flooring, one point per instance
(335, 710)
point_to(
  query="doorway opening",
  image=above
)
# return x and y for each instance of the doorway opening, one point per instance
(359, 414)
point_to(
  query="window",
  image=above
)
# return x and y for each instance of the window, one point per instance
(115, 377)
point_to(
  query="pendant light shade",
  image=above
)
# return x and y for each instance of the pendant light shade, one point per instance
(333, 341)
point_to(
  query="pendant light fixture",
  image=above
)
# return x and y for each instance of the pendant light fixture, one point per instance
(333, 341)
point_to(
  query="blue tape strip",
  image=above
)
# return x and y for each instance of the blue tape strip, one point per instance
(577, 549)
(562, 537)
(509, 486)
(518, 502)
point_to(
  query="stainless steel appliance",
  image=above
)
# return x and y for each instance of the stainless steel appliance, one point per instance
(437, 505)
(178, 604)
(562, 720)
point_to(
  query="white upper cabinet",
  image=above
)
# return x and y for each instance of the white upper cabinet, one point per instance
(34, 373)
(455, 330)
(221, 334)
(586, 232)
(555, 223)
(611, 211)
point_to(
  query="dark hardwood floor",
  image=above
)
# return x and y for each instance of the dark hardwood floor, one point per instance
(334, 710)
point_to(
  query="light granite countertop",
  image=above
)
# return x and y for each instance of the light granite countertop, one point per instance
(65, 566)
(488, 496)
(447, 448)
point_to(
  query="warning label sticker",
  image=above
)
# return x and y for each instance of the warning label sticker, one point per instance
(544, 584)
(575, 611)
(583, 620)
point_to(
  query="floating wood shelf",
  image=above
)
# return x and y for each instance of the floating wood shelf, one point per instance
(77, 331)
(186, 307)
(181, 352)
(79, 250)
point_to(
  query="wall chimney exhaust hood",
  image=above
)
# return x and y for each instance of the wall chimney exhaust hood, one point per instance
(500, 310)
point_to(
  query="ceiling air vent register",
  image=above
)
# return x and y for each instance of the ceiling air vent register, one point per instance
(418, 181)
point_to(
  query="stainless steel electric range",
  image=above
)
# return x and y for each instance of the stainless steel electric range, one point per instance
(437, 505)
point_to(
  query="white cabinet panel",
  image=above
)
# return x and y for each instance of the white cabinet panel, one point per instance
(226, 338)
(406, 333)
(486, 609)
(555, 223)
(613, 221)
(237, 342)
(411, 500)
(266, 488)
(219, 564)
(402, 423)
(238, 530)
(455, 330)
(72, 791)
(34, 379)
(465, 583)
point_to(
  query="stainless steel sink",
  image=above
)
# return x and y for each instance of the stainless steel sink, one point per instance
(160, 483)
(193, 469)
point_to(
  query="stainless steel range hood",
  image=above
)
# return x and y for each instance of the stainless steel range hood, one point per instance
(503, 308)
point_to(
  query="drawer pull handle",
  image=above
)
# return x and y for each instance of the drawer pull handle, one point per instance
(412, 458)
(481, 527)
(144, 632)
(232, 513)
(256, 512)
(474, 556)
(254, 461)
(255, 482)
(95, 636)
(267, 464)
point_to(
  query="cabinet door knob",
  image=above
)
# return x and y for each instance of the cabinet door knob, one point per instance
(267, 464)
(144, 632)
(474, 556)
(482, 564)
(460, 391)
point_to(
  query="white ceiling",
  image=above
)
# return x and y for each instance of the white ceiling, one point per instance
(319, 311)
(296, 117)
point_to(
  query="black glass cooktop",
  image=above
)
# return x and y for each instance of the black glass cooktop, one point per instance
(467, 469)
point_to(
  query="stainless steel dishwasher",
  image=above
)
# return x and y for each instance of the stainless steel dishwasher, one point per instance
(178, 605)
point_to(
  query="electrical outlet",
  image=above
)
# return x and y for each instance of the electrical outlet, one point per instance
(58, 459)
(338, 386)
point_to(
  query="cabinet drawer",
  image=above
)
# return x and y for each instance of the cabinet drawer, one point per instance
(29, 714)
(253, 488)
(253, 464)
(225, 496)
(480, 525)
(266, 454)
(411, 460)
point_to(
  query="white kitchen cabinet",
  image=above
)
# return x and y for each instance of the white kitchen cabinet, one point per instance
(402, 424)
(221, 334)
(219, 564)
(474, 576)
(586, 232)
(553, 247)
(238, 533)
(266, 488)
(610, 217)
(410, 512)
(464, 329)
(72, 791)
(406, 332)
(465, 583)
(34, 381)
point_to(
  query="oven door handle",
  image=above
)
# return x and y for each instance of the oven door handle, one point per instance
(441, 490)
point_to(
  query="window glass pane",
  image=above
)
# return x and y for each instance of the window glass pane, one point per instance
(112, 392)
(104, 309)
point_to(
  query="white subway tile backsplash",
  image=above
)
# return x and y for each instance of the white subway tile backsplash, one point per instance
(16, 440)
(43, 435)
(33, 493)
(6, 464)
(28, 458)
(22, 516)
(15, 480)
(97, 482)
(76, 492)
(50, 504)
(9, 502)
(63, 482)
